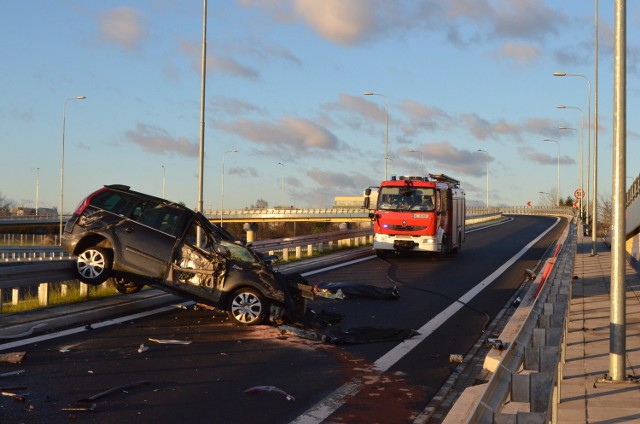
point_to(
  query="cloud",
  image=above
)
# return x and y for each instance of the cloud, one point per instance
(217, 64)
(290, 137)
(123, 26)
(444, 157)
(234, 107)
(531, 155)
(520, 54)
(158, 141)
(244, 171)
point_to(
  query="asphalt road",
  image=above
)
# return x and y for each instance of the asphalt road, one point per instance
(230, 374)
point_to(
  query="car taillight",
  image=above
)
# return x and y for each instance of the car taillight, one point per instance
(87, 201)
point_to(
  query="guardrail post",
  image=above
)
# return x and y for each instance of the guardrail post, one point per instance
(285, 254)
(84, 290)
(64, 289)
(298, 252)
(15, 296)
(330, 245)
(310, 250)
(43, 294)
(320, 247)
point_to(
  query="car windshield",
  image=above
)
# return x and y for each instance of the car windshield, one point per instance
(406, 199)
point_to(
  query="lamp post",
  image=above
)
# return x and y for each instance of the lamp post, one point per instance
(580, 164)
(386, 141)
(564, 74)
(64, 118)
(421, 160)
(222, 190)
(546, 140)
(282, 185)
(581, 154)
(486, 153)
(164, 181)
(37, 188)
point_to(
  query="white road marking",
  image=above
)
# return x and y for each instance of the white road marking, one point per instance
(327, 406)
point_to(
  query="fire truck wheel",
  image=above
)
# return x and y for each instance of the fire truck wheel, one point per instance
(381, 253)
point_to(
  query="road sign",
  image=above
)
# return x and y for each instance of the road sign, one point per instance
(579, 193)
(529, 203)
(575, 205)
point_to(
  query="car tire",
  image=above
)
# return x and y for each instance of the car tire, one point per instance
(247, 306)
(93, 265)
(126, 287)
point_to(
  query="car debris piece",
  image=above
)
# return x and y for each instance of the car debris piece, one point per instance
(495, 343)
(456, 358)
(261, 389)
(17, 397)
(340, 290)
(12, 357)
(81, 407)
(11, 373)
(113, 390)
(23, 334)
(142, 348)
(168, 341)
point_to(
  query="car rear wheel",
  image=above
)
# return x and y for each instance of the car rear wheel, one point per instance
(247, 307)
(94, 265)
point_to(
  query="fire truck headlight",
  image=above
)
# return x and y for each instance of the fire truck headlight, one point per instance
(429, 241)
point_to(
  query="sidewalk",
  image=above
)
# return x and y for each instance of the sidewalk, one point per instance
(584, 396)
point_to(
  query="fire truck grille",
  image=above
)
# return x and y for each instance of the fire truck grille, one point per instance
(408, 227)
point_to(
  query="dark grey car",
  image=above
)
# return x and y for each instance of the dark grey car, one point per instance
(137, 239)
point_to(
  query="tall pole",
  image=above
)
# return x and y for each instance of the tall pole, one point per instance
(282, 185)
(594, 218)
(564, 74)
(558, 176)
(37, 188)
(386, 141)
(222, 190)
(202, 108)
(64, 117)
(579, 159)
(617, 326)
(487, 162)
(164, 182)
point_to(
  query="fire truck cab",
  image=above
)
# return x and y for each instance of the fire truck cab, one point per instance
(420, 214)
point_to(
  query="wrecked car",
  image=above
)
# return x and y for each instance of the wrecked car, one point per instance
(136, 239)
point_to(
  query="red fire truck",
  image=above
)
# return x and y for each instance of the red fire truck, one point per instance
(421, 214)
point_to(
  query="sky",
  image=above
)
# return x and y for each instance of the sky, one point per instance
(467, 86)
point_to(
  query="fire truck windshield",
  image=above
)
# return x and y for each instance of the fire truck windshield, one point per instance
(401, 199)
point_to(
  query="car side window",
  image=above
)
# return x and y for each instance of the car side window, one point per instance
(164, 218)
(111, 201)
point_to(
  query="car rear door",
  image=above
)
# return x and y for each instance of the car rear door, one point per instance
(147, 239)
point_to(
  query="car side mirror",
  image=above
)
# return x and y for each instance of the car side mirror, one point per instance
(269, 259)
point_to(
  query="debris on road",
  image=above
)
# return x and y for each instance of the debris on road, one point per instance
(262, 389)
(15, 396)
(342, 290)
(456, 358)
(12, 373)
(113, 390)
(23, 334)
(167, 341)
(142, 348)
(358, 335)
(81, 407)
(12, 357)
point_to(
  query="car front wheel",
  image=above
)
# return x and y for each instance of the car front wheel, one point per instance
(247, 307)
(94, 265)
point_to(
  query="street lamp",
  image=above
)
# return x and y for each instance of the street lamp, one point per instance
(564, 74)
(580, 164)
(37, 188)
(222, 191)
(386, 142)
(581, 152)
(282, 185)
(421, 160)
(164, 181)
(546, 140)
(64, 116)
(486, 153)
